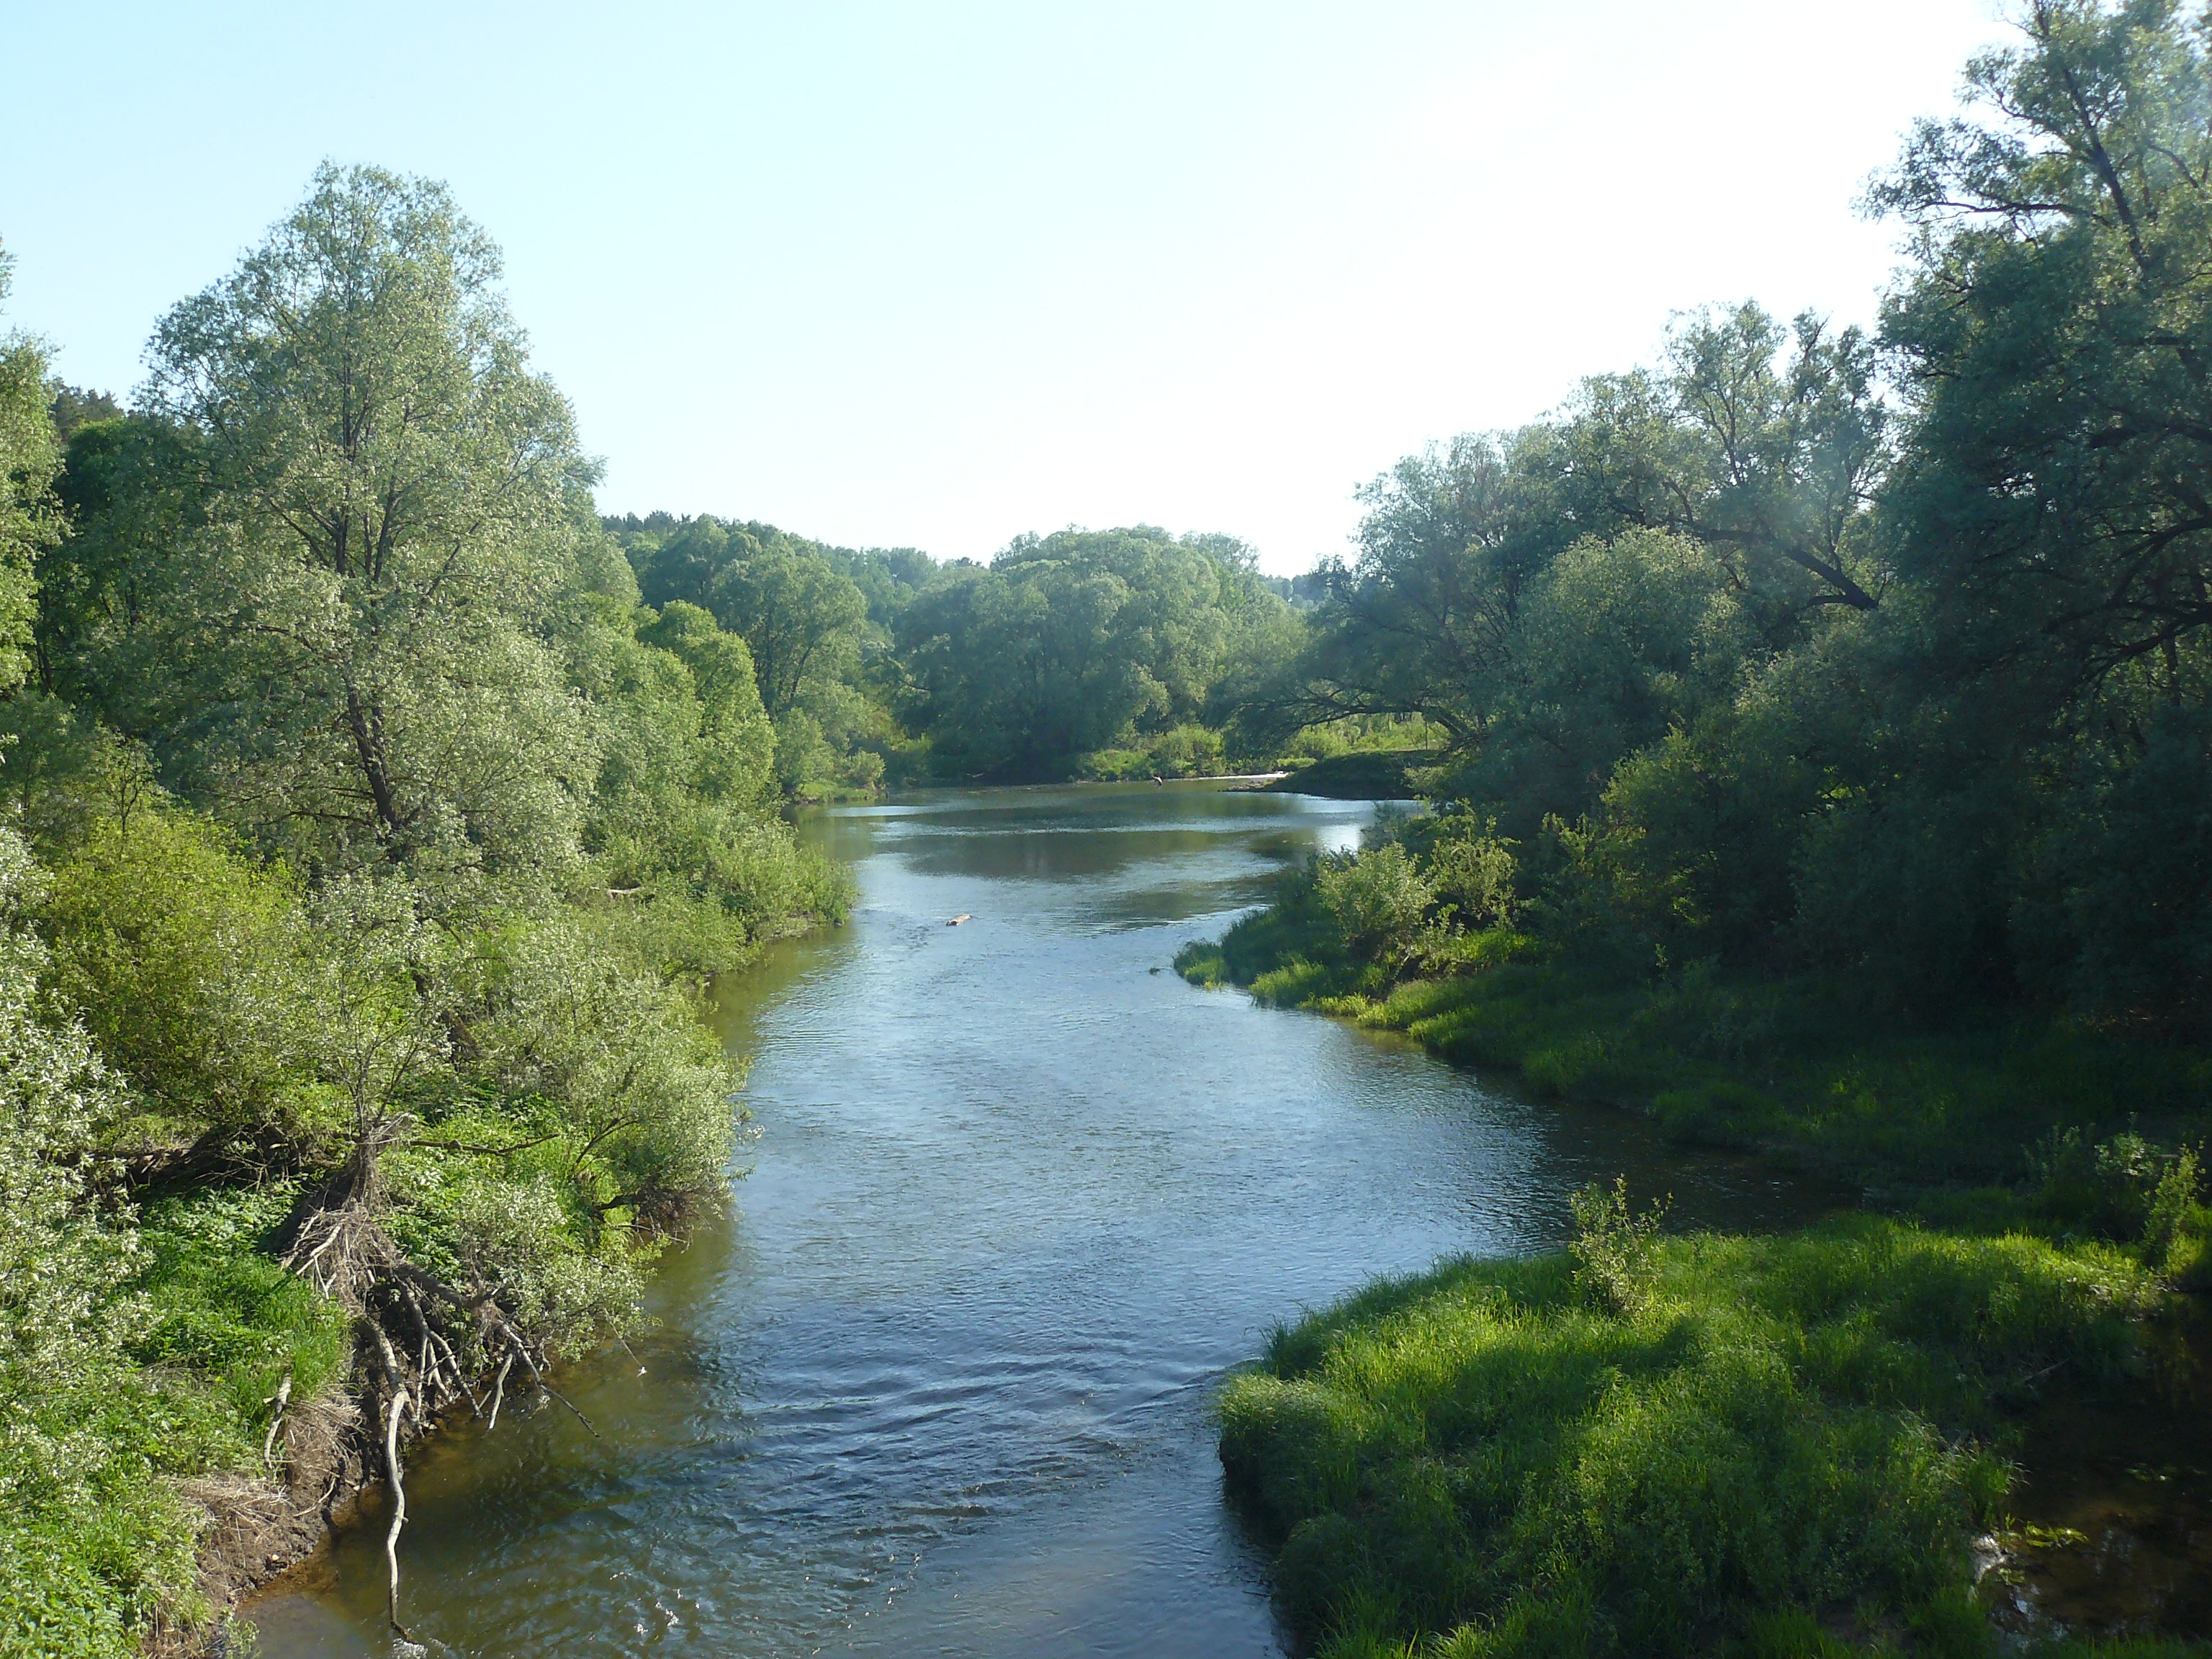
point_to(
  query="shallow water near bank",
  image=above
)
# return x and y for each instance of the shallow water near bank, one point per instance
(939, 1383)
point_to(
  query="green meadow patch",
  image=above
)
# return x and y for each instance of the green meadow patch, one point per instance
(1691, 1445)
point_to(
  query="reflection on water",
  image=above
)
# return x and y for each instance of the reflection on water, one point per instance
(939, 1385)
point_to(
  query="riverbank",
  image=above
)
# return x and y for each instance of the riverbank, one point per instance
(1359, 774)
(284, 1184)
(1787, 1446)
(1688, 1445)
(943, 1382)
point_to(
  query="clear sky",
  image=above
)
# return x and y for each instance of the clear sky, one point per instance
(934, 275)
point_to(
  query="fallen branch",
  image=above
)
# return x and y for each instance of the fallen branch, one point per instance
(498, 1393)
(392, 1416)
(280, 1398)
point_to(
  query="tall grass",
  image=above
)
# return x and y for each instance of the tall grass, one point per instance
(1757, 1446)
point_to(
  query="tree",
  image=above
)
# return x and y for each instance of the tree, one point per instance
(1423, 623)
(73, 407)
(1765, 443)
(1617, 641)
(2057, 342)
(1074, 641)
(800, 617)
(29, 457)
(333, 631)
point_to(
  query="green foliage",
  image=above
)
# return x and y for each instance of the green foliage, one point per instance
(384, 834)
(1802, 1064)
(186, 957)
(2131, 856)
(1186, 751)
(1490, 1453)
(2051, 332)
(323, 598)
(1754, 662)
(91, 1543)
(29, 457)
(1615, 1249)
(799, 617)
(1377, 900)
(1114, 654)
(818, 640)
(1082, 642)
(681, 844)
(219, 1307)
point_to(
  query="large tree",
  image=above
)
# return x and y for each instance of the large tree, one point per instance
(2055, 343)
(333, 629)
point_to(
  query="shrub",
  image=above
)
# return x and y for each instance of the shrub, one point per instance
(1377, 900)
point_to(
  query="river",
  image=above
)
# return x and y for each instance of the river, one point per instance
(939, 1383)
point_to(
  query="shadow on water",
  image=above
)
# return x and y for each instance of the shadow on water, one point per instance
(2114, 1508)
(939, 1383)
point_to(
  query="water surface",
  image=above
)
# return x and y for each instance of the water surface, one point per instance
(1019, 1198)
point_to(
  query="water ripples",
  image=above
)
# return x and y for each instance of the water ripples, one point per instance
(940, 1385)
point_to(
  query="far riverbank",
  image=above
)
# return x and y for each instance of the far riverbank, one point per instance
(2031, 1256)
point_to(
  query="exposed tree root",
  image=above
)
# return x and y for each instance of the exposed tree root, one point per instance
(426, 1342)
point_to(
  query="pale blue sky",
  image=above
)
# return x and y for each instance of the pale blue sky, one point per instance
(934, 275)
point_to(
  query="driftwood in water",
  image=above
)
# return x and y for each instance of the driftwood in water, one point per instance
(393, 1413)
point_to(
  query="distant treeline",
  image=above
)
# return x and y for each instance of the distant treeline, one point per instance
(1102, 654)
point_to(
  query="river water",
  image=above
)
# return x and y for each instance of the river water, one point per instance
(1019, 1198)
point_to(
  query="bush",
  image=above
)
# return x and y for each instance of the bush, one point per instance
(90, 1545)
(186, 956)
(1378, 900)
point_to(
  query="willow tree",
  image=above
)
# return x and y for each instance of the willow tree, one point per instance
(332, 632)
(2054, 508)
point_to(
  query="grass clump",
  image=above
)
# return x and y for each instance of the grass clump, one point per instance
(1652, 1445)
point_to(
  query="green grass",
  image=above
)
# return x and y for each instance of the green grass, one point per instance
(1791, 1065)
(1765, 1447)
(1693, 1445)
(229, 1317)
(96, 1541)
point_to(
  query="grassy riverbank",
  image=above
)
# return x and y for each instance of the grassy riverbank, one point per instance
(1789, 1065)
(1696, 1444)
(1783, 1446)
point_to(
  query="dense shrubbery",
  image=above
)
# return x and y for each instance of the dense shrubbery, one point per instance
(367, 837)
(1756, 662)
